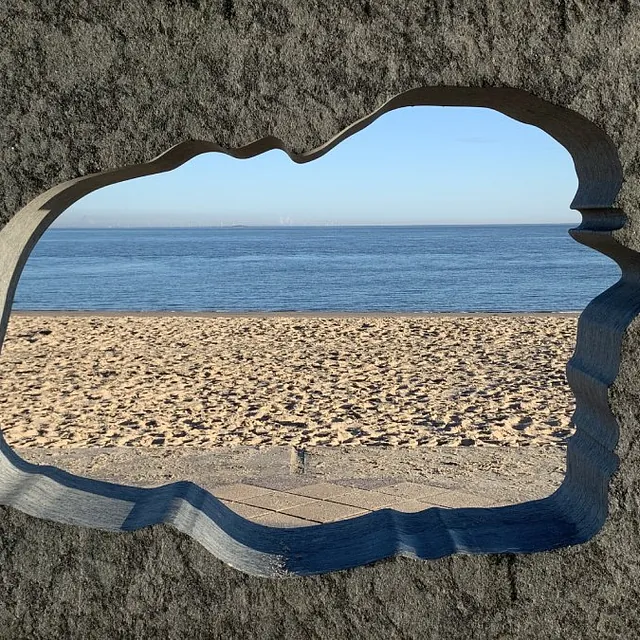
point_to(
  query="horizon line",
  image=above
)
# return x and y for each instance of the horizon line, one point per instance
(319, 226)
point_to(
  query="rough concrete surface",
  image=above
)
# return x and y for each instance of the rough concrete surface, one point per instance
(516, 473)
(105, 89)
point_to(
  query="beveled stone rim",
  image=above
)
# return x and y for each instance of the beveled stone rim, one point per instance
(573, 514)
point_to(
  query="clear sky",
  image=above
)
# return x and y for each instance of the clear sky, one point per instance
(415, 165)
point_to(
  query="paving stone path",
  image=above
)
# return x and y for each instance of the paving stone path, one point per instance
(281, 487)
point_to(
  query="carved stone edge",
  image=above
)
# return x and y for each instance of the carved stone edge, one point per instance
(571, 515)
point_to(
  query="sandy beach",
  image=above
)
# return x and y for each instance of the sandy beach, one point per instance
(209, 381)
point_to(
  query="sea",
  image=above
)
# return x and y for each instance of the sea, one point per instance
(476, 268)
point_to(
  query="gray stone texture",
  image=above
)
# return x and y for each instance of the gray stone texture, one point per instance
(107, 87)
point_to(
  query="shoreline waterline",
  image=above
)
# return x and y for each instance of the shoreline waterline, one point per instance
(106, 313)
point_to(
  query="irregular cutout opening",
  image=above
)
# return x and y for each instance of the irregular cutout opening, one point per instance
(306, 386)
(571, 515)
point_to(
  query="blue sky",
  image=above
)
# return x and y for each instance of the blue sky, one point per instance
(415, 165)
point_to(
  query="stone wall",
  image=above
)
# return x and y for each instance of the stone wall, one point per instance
(127, 89)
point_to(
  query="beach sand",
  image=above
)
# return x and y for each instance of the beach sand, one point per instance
(211, 381)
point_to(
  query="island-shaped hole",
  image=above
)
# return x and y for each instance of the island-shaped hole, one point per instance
(386, 327)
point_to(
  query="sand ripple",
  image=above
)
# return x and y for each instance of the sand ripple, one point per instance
(76, 381)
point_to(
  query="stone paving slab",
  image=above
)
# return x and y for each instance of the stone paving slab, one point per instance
(274, 519)
(369, 500)
(276, 500)
(321, 491)
(323, 511)
(246, 510)
(238, 492)
(411, 506)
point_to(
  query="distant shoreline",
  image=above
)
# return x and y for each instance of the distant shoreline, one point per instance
(318, 226)
(294, 314)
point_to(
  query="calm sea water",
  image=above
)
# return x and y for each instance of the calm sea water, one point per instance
(436, 268)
